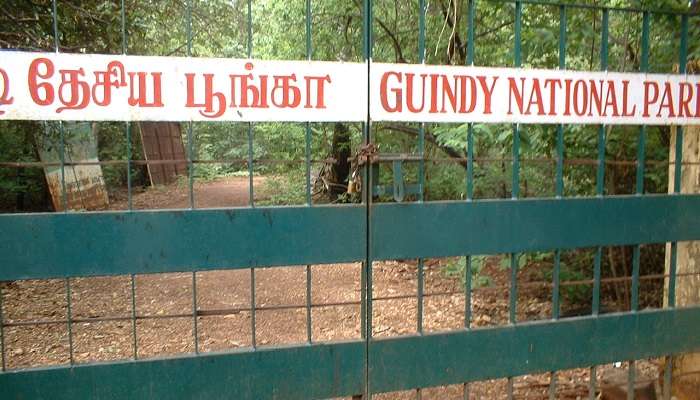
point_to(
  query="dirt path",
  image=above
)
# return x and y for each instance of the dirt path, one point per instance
(223, 192)
(164, 304)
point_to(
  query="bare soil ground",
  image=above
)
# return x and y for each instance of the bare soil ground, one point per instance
(164, 304)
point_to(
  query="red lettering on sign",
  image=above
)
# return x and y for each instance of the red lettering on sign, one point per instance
(138, 93)
(34, 86)
(5, 98)
(651, 95)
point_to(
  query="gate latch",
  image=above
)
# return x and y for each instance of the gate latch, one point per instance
(399, 189)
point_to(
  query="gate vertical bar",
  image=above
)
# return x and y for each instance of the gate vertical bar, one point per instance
(639, 190)
(61, 133)
(367, 198)
(127, 124)
(69, 316)
(421, 178)
(307, 153)
(559, 193)
(515, 189)
(64, 197)
(190, 138)
(559, 185)
(677, 175)
(3, 364)
(470, 183)
(600, 188)
(251, 199)
(190, 178)
(130, 205)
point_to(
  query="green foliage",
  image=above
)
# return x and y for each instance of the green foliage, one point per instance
(219, 28)
(458, 267)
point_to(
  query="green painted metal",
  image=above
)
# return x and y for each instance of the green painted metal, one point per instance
(134, 341)
(589, 6)
(529, 348)
(367, 187)
(507, 226)
(190, 136)
(471, 12)
(3, 361)
(305, 372)
(249, 43)
(307, 156)
(468, 292)
(559, 178)
(69, 317)
(195, 319)
(108, 243)
(556, 270)
(112, 243)
(127, 124)
(253, 341)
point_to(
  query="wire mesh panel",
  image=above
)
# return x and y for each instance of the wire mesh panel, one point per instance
(461, 260)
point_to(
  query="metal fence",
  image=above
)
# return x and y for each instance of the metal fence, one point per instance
(70, 245)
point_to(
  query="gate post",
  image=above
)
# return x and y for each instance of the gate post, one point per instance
(684, 257)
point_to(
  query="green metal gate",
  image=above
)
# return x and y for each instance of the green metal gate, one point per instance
(69, 245)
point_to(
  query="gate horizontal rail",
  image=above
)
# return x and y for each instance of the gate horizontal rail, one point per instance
(43, 246)
(337, 369)
(113, 243)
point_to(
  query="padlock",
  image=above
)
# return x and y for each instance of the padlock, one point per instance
(354, 183)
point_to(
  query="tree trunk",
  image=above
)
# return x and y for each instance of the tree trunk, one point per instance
(686, 367)
(340, 170)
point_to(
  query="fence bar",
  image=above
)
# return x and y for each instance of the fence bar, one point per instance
(668, 372)
(308, 304)
(559, 193)
(251, 193)
(367, 199)
(631, 378)
(419, 319)
(62, 144)
(515, 190)
(190, 176)
(552, 386)
(69, 315)
(677, 175)
(597, 7)
(471, 11)
(127, 124)
(195, 327)
(252, 307)
(559, 184)
(308, 175)
(600, 189)
(3, 364)
(421, 177)
(133, 317)
(190, 138)
(251, 200)
(308, 124)
(591, 383)
(641, 156)
(555, 284)
(516, 166)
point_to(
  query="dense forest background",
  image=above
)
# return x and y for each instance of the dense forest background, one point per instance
(219, 28)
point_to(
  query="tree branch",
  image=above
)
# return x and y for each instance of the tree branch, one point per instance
(451, 152)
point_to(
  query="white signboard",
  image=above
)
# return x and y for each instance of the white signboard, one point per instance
(44, 86)
(122, 88)
(475, 94)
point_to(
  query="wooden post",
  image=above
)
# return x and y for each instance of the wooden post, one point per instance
(686, 367)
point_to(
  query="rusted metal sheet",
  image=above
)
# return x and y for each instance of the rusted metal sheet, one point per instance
(85, 188)
(162, 141)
